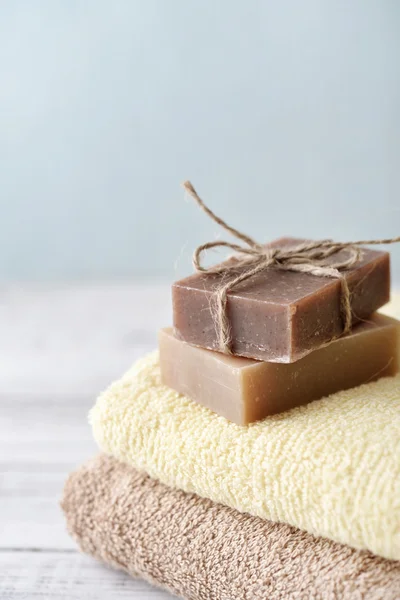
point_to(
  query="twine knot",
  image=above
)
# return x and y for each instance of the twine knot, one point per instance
(252, 258)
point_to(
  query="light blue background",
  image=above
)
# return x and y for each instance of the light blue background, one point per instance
(284, 114)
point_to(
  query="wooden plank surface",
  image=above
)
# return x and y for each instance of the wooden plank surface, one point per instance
(67, 576)
(59, 346)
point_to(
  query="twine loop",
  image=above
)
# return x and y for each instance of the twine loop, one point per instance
(252, 258)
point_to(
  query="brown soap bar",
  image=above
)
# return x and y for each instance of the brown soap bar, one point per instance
(280, 316)
(245, 390)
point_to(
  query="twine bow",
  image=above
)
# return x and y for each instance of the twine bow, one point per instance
(252, 258)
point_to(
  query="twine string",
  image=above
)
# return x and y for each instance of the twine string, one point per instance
(253, 258)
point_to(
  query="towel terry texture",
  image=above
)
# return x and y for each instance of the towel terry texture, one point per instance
(331, 468)
(205, 551)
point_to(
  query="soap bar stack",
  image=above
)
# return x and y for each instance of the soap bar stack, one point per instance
(287, 348)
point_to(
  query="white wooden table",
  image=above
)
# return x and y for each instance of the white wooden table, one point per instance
(59, 346)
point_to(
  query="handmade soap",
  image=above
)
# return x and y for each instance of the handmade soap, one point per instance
(276, 315)
(244, 390)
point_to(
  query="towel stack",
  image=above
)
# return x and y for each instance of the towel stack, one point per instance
(303, 504)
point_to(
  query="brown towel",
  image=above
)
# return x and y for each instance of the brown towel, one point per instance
(204, 551)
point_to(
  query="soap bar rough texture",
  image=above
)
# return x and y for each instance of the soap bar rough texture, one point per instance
(245, 390)
(279, 316)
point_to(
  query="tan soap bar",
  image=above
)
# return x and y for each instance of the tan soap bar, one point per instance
(244, 390)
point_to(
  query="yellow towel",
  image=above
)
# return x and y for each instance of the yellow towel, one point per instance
(331, 468)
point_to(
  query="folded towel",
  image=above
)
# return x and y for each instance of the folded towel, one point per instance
(331, 468)
(205, 551)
